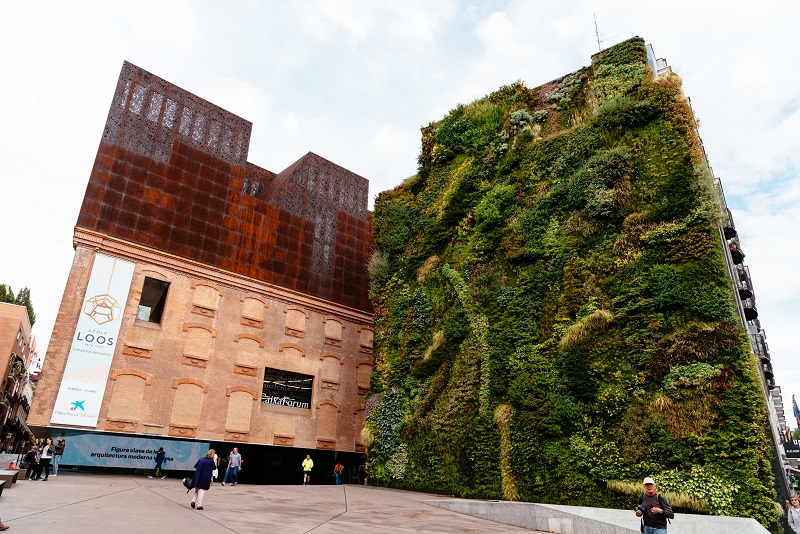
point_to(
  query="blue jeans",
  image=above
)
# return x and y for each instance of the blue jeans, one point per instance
(56, 459)
(338, 477)
(232, 473)
(653, 530)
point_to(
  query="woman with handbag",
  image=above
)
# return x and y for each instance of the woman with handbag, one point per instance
(201, 481)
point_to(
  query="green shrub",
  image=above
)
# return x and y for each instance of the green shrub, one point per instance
(612, 82)
(521, 117)
(693, 375)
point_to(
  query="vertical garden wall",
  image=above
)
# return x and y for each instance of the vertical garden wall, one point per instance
(553, 318)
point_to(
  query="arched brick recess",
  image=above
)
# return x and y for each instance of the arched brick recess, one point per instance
(248, 354)
(198, 341)
(328, 402)
(253, 311)
(365, 338)
(126, 400)
(295, 321)
(293, 349)
(205, 283)
(203, 326)
(331, 372)
(333, 355)
(233, 389)
(258, 340)
(327, 415)
(240, 409)
(205, 299)
(363, 374)
(283, 426)
(181, 381)
(148, 378)
(187, 406)
(333, 332)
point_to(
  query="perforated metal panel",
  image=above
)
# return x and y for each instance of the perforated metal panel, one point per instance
(148, 114)
(171, 174)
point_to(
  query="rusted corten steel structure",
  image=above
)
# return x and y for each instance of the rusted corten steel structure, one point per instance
(213, 300)
(172, 174)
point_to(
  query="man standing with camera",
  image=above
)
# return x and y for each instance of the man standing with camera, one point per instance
(654, 509)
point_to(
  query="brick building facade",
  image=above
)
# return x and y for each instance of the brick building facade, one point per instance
(247, 320)
(17, 350)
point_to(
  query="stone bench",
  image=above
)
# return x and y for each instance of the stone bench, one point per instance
(9, 476)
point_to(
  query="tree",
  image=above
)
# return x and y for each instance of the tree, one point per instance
(6, 295)
(24, 299)
(796, 434)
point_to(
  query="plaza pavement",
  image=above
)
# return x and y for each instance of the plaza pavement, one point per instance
(91, 503)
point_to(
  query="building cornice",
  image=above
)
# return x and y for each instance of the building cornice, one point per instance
(137, 253)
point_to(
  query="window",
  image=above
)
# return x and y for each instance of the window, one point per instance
(284, 388)
(151, 305)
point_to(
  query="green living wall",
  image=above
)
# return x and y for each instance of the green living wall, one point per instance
(553, 317)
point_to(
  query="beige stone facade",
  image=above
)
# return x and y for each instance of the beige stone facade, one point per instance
(199, 374)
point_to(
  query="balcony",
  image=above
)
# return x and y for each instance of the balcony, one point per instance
(750, 312)
(729, 232)
(771, 383)
(736, 254)
(744, 292)
(767, 368)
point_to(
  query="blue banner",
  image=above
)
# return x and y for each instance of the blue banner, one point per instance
(132, 452)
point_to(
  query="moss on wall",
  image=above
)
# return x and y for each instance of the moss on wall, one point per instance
(552, 307)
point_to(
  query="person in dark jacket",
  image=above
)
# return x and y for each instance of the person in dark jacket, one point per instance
(161, 457)
(60, 445)
(201, 481)
(32, 457)
(654, 509)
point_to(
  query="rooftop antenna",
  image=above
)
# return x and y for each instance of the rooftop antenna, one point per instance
(597, 34)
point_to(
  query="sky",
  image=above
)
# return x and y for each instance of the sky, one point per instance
(354, 81)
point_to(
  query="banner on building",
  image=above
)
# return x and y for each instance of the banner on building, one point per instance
(84, 382)
(131, 452)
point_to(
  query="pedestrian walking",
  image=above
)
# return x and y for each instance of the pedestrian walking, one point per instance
(201, 480)
(215, 472)
(223, 465)
(308, 463)
(337, 473)
(234, 466)
(61, 443)
(161, 458)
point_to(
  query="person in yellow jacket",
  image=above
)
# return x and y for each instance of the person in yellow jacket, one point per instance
(308, 463)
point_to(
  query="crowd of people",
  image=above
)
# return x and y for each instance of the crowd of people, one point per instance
(40, 457)
(210, 468)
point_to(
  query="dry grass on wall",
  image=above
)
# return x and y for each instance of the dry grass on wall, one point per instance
(676, 500)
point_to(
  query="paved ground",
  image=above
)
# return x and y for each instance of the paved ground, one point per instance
(89, 503)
